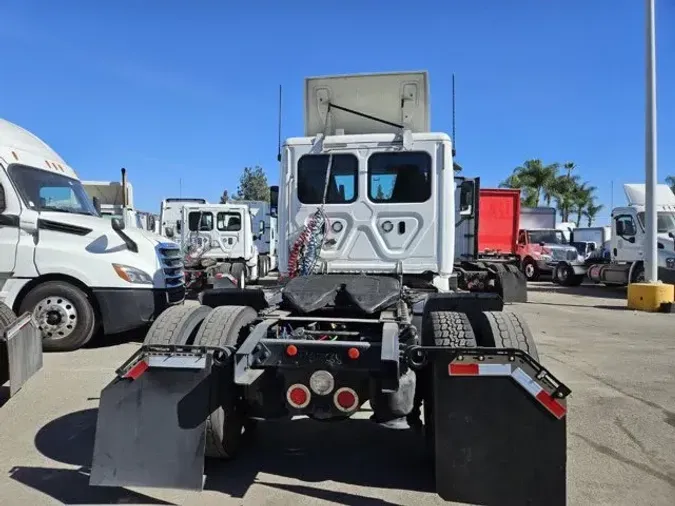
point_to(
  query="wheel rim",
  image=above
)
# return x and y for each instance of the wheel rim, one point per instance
(562, 274)
(529, 270)
(56, 317)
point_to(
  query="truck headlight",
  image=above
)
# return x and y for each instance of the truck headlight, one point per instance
(132, 274)
(670, 263)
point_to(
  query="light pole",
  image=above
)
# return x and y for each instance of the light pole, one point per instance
(651, 262)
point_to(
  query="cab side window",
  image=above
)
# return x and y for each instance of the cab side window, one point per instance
(625, 226)
(522, 238)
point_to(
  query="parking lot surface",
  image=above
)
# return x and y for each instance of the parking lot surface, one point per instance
(619, 364)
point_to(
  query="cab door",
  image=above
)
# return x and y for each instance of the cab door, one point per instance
(9, 228)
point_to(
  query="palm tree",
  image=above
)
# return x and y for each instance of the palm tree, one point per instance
(582, 196)
(537, 178)
(565, 187)
(569, 167)
(527, 198)
(592, 211)
(670, 181)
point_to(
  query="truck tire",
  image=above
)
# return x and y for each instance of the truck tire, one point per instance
(503, 329)
(531, 269)
(64, 313)
(448, 328)
(564, 275)
(176, 325)
(226, 326)
(7, 316)
(441, 328)
(238, 271)
(263, 266)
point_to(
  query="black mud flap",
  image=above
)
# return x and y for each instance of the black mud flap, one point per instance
(151, 430)
(20, 352)
(511, 283)
(499, 438)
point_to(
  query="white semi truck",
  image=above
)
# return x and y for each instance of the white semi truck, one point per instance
(115, 199)
(171, 216)
(368, 313)
(265, 227)
(75, 271)
(219, 239)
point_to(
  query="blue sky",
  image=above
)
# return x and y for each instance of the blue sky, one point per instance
(177, 90)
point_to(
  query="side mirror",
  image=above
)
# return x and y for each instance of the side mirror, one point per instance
(467, 198)
(151, 223)
(592, 246)
(542, 244)
(168, 231)
(97, 204)
(117, 224)
(3, 203)
(262, 228)
(274, 200)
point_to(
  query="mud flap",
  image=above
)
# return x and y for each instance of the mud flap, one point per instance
(495, 442)
(20, 352)
(511, 283)
(151, 430)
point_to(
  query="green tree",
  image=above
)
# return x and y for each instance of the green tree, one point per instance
(380, 193)
(224, 197)
(253, 185)
(591, 212)
(670, 181)
(535, 180)
(565, 187)
(582, 197)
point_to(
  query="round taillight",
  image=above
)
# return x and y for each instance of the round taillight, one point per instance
(298, 396)
(345, 399)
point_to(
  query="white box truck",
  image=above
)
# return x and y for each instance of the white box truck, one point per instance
(75, 271)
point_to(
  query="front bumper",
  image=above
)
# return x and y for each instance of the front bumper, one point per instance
(125, 309)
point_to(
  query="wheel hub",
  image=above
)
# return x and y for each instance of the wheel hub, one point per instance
(529, 270)
(56, 317)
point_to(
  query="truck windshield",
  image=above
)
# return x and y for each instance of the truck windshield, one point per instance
(546, 236)
(42, 190)
(665, 221)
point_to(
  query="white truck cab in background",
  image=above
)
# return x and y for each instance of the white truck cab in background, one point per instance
(115, 199)
(628, 235)
(220, 237)
(265, 227)
(171, 216)
(59, 259)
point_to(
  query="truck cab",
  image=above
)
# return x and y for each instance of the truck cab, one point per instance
(379, 201)
(220, 237)
(171, 216)
(266, 229)
(75, 271)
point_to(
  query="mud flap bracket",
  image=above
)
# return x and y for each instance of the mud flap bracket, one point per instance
(20, 352)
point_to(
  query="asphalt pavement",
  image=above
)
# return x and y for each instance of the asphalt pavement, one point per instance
(619, 364)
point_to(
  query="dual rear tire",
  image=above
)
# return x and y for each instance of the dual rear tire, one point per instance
(224, 327)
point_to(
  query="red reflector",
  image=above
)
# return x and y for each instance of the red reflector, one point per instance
(557, 409)
(298, 396)
(346, 399)
(463, 369)
(354, 353)
(291, 350)
(137, 370)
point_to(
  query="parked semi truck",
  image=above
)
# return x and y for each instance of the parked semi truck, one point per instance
(219, 240)
(115, 199)
(623, 262)
(75, 271)
(171, 216)
(265, 227)
(368, 313)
